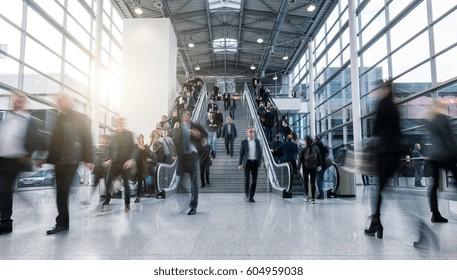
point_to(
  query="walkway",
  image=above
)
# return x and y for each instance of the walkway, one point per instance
(225, 227)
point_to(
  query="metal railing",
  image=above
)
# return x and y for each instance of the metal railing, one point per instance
(278, 174)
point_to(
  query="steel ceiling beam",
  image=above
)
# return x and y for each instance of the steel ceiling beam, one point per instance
(274, 35)
(240, 26)
(165, 9)
(210, 32)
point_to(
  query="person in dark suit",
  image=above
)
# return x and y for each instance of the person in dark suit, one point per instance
(121, 160)
(212, 105)
(233, 108)
(226, 98)
(19, 138)
(289, 152)
(250, 159)
(229, 133)
(71, 143)
(188, 138)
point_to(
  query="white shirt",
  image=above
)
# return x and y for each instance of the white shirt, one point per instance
(252, 151)
(12, 134)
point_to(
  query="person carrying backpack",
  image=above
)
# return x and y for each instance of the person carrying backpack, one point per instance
(320, 174)
(311, 162)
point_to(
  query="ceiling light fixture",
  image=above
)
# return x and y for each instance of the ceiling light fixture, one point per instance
(275, 77)
(191, 43)
(311, 7)
(138, 10)
(197, 67)
(157, 4)
(252, 66)
(285, 57)
(260, 40)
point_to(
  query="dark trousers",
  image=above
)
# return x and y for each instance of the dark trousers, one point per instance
(9, 168)
(116, 169)
(250, 170)
(229, 142)
(140, 183)
(204, 172)
(309, 173)
(226, 104)
(418, 174)
(232, 112)
(433, 191)
(64, 178)
(189, 164)
(386, 167)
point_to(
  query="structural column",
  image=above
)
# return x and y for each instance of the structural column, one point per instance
(356, 121)
(149, 55)
(311, 105)
(95, 110)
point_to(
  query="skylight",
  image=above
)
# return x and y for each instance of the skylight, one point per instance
(231, 4)
(225, 45)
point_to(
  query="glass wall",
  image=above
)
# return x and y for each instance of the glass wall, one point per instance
(408, 42)
(48, 47)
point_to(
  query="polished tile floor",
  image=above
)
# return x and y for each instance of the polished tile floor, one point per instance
(227, 228)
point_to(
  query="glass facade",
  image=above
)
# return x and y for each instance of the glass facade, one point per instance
(407, 42)
(48, 47)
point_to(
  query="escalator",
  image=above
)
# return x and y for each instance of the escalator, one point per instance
(224, 176)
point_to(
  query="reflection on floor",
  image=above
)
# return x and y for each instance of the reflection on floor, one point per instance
(226, 227)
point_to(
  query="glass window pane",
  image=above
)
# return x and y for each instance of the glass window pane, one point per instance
(10, 39)
(375, 52)
(442, 31)
(374, 77)
(370, 10)
(411, 54)
(449, 94)
(79, 12)
(9, 71)
(373, 28)
(44, 32)
(409, 26)
(13, 12)
(421, 77)
(397, 6)
(40, 58)
(78, 32)
(446, 65)
(52, 8)
(77, 57)
(75, 79)
(441, 7)
(37, 83)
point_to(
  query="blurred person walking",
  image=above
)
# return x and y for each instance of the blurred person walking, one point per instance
(121, 159)
(187, 139)
(443, 154)
(19, 138)
(320, 174)
(70, 144)
(311, 162)
(229, 133)
(388, 152)
(250, 159)
(206, 155)
(419, 163)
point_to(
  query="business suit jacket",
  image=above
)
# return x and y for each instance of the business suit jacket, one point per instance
(244, 152)
(233, 132)
(71, 141)
(196, 141)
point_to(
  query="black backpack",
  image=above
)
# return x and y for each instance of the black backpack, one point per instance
(311, 157)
